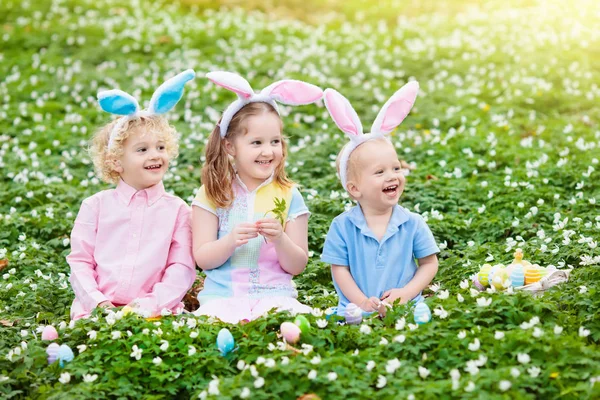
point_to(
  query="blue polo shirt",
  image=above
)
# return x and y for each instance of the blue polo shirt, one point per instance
(377, 266)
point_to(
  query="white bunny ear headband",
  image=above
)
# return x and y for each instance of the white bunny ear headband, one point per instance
(390, 116)
(290, 92)
(164, 99)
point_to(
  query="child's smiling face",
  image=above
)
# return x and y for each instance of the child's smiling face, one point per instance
(144, 161)
(259, 151)
(377, 180)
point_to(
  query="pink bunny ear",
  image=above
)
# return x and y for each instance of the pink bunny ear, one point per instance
(233, 82)
(293, 93)
(396, 109)
(342, 113)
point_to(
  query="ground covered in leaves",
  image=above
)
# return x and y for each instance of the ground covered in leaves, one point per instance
(503, 154)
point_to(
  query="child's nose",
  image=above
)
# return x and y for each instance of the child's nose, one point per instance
(267, 150)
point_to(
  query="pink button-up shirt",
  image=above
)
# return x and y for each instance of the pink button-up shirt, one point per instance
(129, 245)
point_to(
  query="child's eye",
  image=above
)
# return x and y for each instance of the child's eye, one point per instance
(380, 171)
(256, 142)
(397, 168)
(276, 141)
(161, 147)
(141, 149)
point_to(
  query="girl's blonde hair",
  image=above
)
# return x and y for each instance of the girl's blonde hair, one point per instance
(104, 159)
(218, 171)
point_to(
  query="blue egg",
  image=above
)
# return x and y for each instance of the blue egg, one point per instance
(225, 342)
(65, 354)
(422, 313)
(330, 312)
(517, 276)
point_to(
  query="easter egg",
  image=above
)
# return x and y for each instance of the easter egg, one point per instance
(290, 332)
(532, 275)
(477, 284)
(52, 352)
(330, 312)
(302, 323)
(422, 313)
(49, 333)
(517, 277)
(509, 268)
(65, 354)
(353, 314)
(483, 274)
(500, 277)
(127, 310)
(493, 272)
(225, 341)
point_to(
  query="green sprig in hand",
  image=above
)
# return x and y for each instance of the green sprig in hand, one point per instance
(278, 211)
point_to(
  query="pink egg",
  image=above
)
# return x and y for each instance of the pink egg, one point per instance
(49, 333)
(290, 332)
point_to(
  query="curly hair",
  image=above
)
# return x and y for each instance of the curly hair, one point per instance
(103, 157)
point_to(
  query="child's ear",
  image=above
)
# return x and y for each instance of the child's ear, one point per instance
(115, 165)
(353, 190)
(229, 148)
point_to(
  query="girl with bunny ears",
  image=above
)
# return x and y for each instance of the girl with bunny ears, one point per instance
(249, 256)
(372, 247)
(132, 245)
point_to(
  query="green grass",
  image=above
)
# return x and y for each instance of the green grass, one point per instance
(507, 119)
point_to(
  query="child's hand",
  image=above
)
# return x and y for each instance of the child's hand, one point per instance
(106, 304)
(270, 228)
(390, 296)
(243, 232)
(371, 304)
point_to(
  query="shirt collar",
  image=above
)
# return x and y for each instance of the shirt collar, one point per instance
(245, 188)
(357, 217)
(153, 193)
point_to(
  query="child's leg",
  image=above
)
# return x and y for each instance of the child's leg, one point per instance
(280, 303)
(231, 310)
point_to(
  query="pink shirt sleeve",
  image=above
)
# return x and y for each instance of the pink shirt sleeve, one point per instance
(180, 272)
(81, 259)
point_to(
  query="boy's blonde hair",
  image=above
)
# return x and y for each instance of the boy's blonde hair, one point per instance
(218, 171)
(103, 157)
(353, 164)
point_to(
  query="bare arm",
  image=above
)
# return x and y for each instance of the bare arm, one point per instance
(350, 289)
(428, 267)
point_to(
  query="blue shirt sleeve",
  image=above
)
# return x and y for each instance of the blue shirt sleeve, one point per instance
(297, 206)
(424, 243)
(335, 250)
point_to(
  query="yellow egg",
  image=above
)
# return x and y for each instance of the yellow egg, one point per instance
(532, 275)
(483, 274)
(500, 277)
(127, 310)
